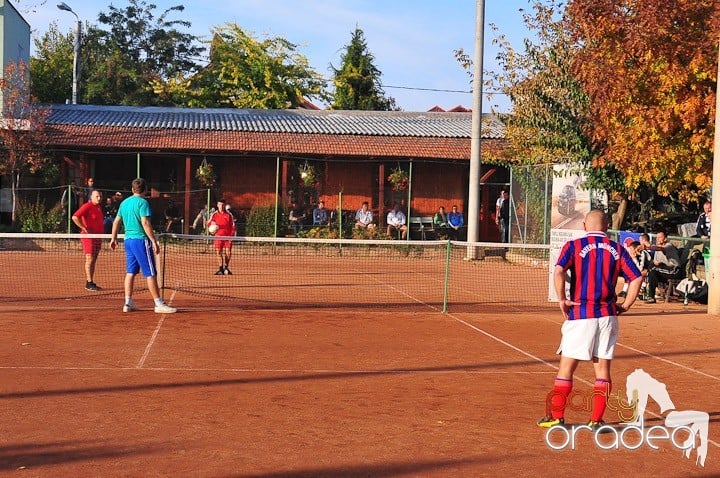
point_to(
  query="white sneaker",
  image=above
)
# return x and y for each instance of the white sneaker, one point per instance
(165, 309)
(129, 308)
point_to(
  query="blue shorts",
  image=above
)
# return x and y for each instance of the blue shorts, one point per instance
(139, 255)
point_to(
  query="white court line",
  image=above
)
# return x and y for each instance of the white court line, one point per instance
(679, 365)
(278, 370)
(407, 295)
(154, 335)
(527, 354)
(152, 341)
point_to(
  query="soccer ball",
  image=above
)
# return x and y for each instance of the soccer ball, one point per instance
(213, 228)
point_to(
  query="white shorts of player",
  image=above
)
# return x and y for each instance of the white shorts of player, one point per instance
(583, 339)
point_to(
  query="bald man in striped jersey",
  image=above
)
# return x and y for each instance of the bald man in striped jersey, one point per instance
(590, 330)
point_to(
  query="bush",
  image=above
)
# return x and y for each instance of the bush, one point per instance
(374, 233)
(321, 232)
(36, 217)
(261, 221)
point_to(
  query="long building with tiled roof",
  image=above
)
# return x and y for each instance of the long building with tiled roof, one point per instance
(304, 132)
(254, 151)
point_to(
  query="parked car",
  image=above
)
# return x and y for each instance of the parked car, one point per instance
(567, 200)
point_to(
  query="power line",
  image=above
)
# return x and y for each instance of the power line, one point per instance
(441, 90)
(426, 89)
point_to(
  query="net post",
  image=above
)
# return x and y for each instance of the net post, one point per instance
(340, 215)
(277, 196)
(409, 199)
(205, 220)
(446, 285)
(163, 268)
(69, 208)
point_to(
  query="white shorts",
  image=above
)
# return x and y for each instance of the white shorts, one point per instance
(583, 339)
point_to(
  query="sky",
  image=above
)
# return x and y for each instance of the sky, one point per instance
(412, 41)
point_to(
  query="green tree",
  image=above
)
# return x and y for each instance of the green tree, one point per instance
(357, 81)
(138, 48)
(246, 73)
(51, 67)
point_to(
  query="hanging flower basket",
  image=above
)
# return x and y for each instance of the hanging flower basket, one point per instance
(308, 175)
(205, 174)
(399, 179)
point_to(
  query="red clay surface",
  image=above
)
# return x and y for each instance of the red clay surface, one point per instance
(323, 387)
(89, 391)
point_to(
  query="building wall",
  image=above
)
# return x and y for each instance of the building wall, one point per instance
(248, 181)
(15, 34)
(356, 181)
(438, 184)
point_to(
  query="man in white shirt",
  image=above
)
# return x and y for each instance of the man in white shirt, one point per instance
(364, 217)
(396, 222)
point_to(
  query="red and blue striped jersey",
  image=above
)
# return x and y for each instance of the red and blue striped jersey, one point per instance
(595, 262)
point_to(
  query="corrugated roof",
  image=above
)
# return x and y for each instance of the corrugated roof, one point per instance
(330, 122)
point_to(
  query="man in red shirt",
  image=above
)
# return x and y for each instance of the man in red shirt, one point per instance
(226, 227)
(89, 219)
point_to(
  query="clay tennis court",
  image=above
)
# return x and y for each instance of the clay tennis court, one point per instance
(320, 389)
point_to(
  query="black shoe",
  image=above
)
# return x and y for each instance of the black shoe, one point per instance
(91, 286)
(220, 272)
(599, 427)
(227, 272)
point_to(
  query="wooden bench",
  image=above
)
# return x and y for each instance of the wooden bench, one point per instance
(422, 227)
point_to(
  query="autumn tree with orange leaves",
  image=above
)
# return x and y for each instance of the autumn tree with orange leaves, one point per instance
(548, 124)
(649, 70)
(22, 129)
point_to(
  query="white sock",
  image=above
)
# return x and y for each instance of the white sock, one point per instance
(128, 301)
(159, 301)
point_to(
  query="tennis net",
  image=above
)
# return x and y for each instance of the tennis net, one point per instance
(288, 273)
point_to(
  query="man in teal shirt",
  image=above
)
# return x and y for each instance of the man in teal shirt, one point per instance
(141, 246)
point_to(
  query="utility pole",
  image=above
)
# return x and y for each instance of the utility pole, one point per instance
(473, 212)
(76, 57)
(714, 267)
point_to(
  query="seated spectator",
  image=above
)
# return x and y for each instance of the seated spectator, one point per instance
(666, 264)
(364, 217)
(646, 245)
(440, 222)
(396, 221)
(703, 223)
(320, 215)
(296, 217)
(642, 260)
(172, 215)
(456, 222)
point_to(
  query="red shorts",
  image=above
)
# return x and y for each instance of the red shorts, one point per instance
(91, 246)
(223, 245)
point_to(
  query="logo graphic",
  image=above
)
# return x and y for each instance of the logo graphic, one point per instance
(640, 386)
